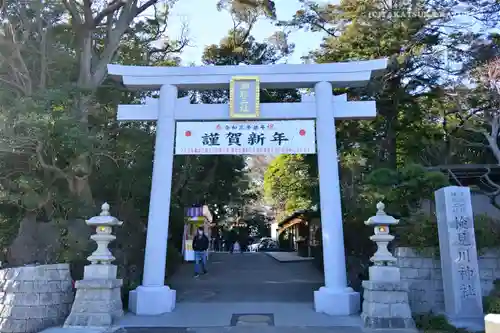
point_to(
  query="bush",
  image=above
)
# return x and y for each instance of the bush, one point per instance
(491, 303)
(432, 323)
(174, 260)
(402, 190)
(421, 231)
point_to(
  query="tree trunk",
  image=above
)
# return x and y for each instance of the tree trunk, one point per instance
(79, 185)
(389, 110)
(35, 242)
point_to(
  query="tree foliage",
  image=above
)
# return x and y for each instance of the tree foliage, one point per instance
(63, 153)
(290, 183)
(420, 118)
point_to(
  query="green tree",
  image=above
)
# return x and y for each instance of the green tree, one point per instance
(291, 184)
(62, 136)
(418, 52)
(267, 7)
(403, 190)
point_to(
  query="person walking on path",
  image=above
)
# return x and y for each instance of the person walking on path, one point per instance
(200, 247)
(243, 240)
(232, 238)
(236, 247)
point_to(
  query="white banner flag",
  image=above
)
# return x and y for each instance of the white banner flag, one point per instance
(245, 137)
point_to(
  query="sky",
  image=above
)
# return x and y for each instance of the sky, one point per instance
(208, 26)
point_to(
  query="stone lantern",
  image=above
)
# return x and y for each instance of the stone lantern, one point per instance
(383, 268)
(385, 304)
(104, 224)
(98, 300)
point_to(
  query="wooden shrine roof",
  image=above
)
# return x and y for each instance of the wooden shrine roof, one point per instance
(300, 216)
(471, 174)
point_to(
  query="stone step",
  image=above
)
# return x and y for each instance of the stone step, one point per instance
(258, 329)
(244, 329)
(226, 329)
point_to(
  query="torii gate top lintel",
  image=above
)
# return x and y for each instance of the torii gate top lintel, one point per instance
(284, 76)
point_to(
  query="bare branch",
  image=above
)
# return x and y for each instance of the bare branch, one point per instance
(50, 167)
(73, 10)
(471, 144)
(109, 10)
(490, 182)
(87, 14)
(145, 6)
(173, 46)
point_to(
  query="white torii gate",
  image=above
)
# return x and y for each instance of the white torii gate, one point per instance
(335, 298)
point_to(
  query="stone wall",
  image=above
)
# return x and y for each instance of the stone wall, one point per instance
(33, 298)
(423, 273)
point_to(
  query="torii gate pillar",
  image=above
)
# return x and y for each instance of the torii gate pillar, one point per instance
(335, 298)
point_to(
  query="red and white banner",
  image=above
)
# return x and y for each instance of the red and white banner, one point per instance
(245, 137)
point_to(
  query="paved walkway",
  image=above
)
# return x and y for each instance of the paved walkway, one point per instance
(248, 277)
(245, 287)
(203, 315)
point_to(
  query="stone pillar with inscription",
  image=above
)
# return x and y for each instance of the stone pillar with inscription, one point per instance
(459, 267)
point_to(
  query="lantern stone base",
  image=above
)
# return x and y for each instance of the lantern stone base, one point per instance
(384, 273)
(152, 300)
(385, 305)
(98, 301)
(100, 272)
(336, 302)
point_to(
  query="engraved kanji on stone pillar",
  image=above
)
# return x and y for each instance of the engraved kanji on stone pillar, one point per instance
(463, 305)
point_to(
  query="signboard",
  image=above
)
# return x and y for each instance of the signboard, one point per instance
(247, 138)
(244, 97)
(194, 212)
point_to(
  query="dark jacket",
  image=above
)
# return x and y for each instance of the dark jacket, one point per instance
(200, 243)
